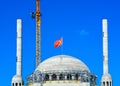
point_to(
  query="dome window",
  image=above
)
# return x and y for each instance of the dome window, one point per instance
(69, 77)
(61, 77)
(46, 77)
(54, 77)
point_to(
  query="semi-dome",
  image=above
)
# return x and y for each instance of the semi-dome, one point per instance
(62, 63)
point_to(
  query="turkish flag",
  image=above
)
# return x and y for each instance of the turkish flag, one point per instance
(58, 43)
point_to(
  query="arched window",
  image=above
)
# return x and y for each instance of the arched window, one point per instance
(61, 77)
(103, 83)
(107, 83)
(110, 83)
(16, 84)
(12, 84)
(46, 77)
(20, 84)
(76, 76)
(69, 77)
(54, 77)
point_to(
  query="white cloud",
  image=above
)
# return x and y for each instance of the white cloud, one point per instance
(83, 32)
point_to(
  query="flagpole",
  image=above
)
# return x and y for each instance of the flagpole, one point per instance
(62, 47)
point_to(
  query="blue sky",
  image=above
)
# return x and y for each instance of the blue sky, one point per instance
(79, 22)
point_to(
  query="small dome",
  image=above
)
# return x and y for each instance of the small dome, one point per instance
(62, 63)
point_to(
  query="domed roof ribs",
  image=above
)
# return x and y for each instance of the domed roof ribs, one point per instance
(68, 63)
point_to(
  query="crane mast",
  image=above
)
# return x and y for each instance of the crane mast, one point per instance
(38, 35)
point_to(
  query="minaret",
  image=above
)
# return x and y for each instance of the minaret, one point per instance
(106, 78)
(17, 79)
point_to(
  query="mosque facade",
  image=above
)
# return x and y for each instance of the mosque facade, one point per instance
(60, 70)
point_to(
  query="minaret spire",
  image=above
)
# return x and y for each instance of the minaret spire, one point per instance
(106, 78)
(105, 47)
(38, 34)
(17, 79)
(19, 47)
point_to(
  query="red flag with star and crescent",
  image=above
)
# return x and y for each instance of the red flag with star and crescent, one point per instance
(58, 43)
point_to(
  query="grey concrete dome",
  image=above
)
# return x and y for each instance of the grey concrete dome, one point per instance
(62, 63)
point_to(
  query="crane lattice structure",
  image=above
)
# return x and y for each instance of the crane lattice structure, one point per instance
(38, 33)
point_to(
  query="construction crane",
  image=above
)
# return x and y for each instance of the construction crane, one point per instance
(37, 15)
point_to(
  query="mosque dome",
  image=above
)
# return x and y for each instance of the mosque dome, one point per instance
(62, 63)
(62, 69)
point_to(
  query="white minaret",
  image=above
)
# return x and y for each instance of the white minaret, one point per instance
(106, 78)
(17, 79)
